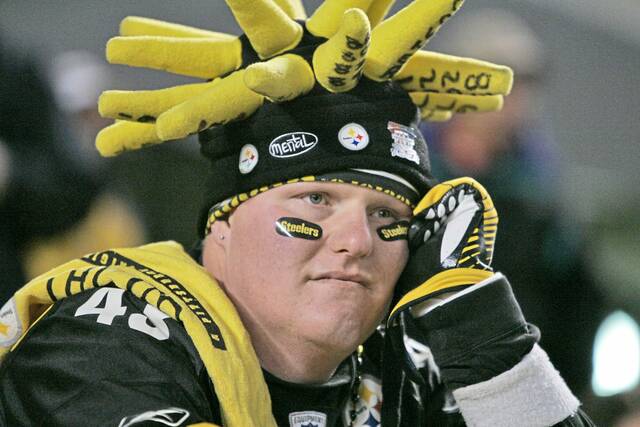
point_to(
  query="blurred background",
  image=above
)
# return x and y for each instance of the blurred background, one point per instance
(561, 161)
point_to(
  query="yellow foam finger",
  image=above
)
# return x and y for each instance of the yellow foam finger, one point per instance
(229, 100)
(293, 8)
(146, 105)
(268, 28)
(456, 103)
(437, 72)
(280, 79)
(196, 57)
(338, 62)
(396, 39)
(123, 136)
(326, 19)
(435, 115)
(378, 10)
(140, 26)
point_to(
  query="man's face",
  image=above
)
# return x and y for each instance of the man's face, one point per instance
(330, 292)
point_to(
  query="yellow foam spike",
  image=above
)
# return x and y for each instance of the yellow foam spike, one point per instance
(146, 105)
(293, 8)
(435, 115)
(378, 10)
(456, 103)
(229, 100)
(281, 78)
(268, 28)
(124, 136)
(326, 19)
(338, 62)
(140, 26)
(437, 72)
(195, 57)
(396, 39)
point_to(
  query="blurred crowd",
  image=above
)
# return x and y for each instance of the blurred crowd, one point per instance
(60, 200)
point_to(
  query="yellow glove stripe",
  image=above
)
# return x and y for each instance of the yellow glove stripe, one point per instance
(456, 103)
(230, 99)
(146, 105)
(123, 136)
(326, 19)
(338, 62)
(281, 78)
(378, 10)
(437, 72)
(444, 280)
(293, 8)
(268, 28)
(139, 26)
(436, 193)
(195, 57)
(396, 39)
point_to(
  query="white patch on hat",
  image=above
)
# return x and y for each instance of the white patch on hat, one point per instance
(307, 419)
(353, 137)
(248, 159)
(10, 325)
(404, 141)
(292, 144)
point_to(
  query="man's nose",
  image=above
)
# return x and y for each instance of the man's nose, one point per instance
(350, 234)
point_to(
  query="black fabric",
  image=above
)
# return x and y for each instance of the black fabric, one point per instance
(477, 336)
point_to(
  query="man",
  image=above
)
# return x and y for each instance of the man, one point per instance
(319, 297)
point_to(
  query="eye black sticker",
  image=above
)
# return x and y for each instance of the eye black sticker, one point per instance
(396, 231)
(296, 227)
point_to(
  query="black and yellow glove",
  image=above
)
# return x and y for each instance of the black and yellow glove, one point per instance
(451, 239)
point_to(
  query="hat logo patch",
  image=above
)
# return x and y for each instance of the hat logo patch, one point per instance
(404, 141)
(353, 137)
(248, 158)
(292, 144)
(307, 419)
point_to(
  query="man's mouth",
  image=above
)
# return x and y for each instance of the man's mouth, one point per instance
(339, 277)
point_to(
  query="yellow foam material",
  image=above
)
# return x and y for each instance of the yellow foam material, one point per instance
(293, 8)
(196, 57)
(431, 71)
(338, 62)
(268, 28)
(396, 39)
(456, 103)
(139, 26)
(228, 100)
(378, 10)
(326, 19)
(146, 105)
(281, 78)
(123, 136)
(435, 115)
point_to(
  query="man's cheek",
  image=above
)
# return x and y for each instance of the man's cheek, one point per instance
(298, 228)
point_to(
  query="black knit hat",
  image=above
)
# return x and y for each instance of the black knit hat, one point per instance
(370, 127)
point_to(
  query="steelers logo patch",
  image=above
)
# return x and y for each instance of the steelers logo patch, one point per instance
(353, 137)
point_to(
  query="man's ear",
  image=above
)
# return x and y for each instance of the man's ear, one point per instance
(220, 232)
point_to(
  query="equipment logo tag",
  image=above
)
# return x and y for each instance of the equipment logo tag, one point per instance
(404, 141)
(307, 419)
(396, 231)
(295, 227)
(353, 137)
(292, 144)
(248, 158)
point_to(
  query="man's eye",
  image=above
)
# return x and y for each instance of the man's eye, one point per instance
(316, 198)
(385, 213)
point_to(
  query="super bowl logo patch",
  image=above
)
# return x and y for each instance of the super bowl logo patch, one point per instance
(248, 158)
(292, 144)
(296, 227)
(404, 141)
(396, 231)
(353, 137)
(307, 419)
